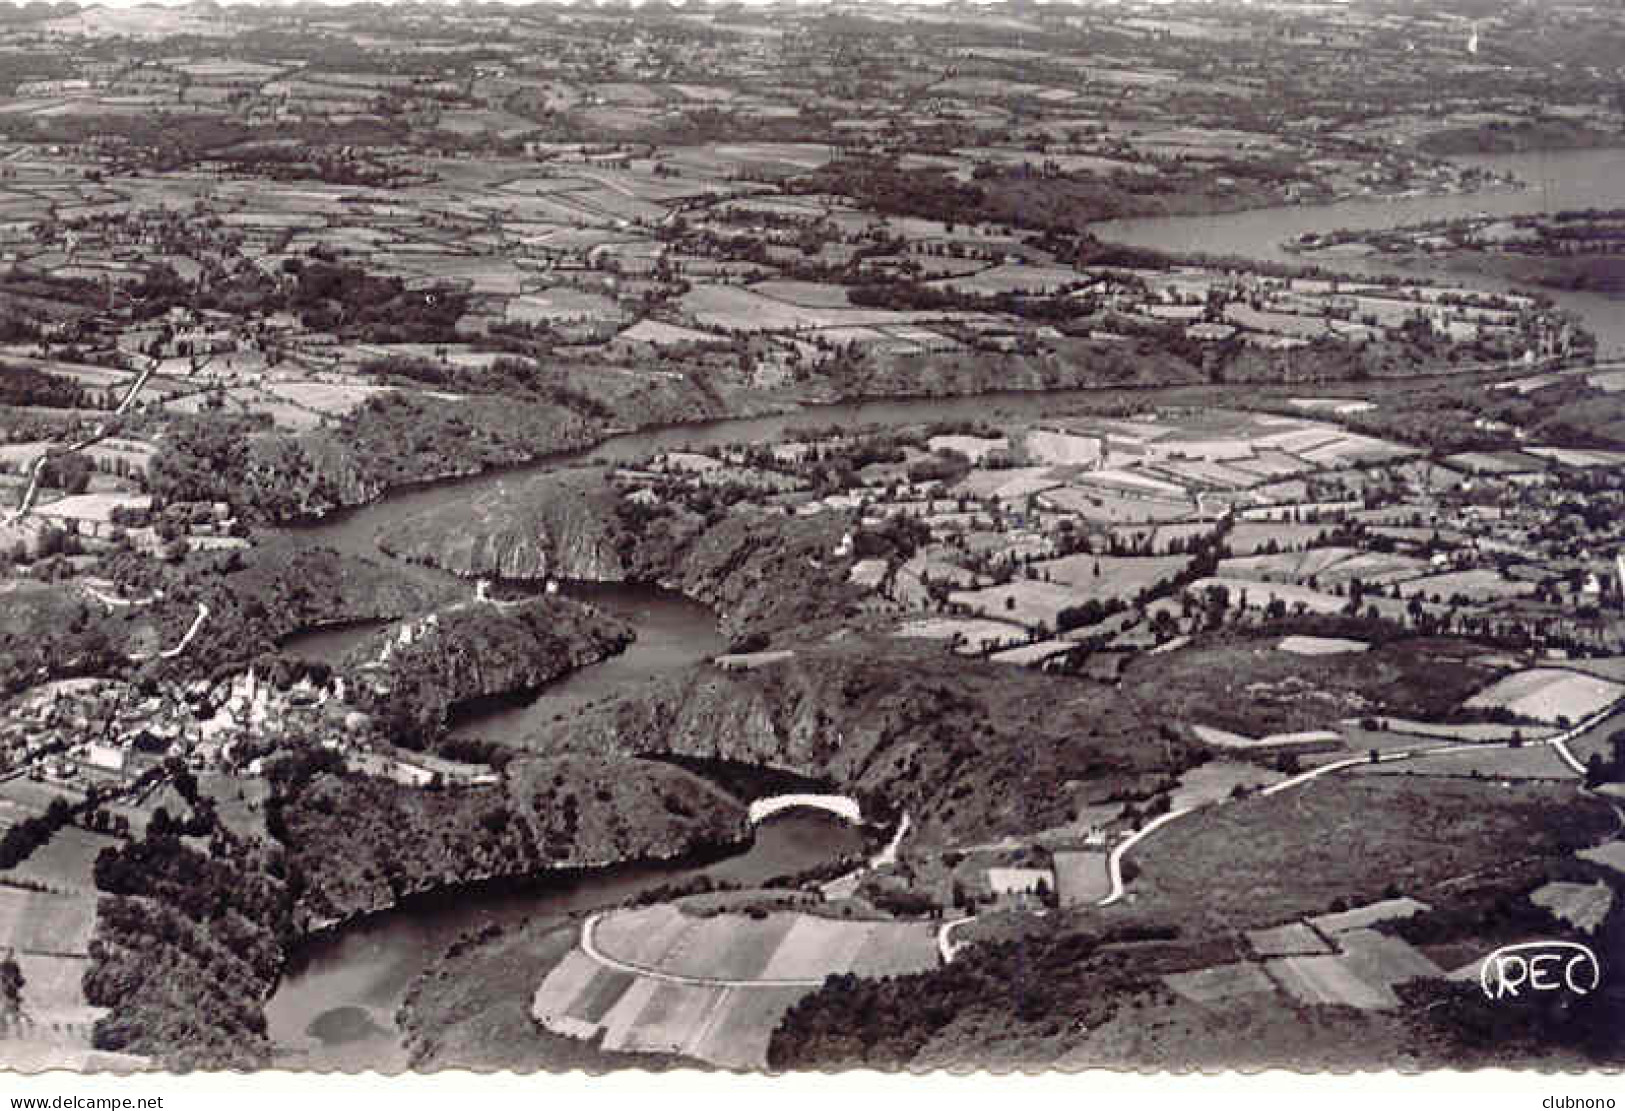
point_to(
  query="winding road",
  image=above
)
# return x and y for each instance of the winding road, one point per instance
(97, 434)
(1558, 744)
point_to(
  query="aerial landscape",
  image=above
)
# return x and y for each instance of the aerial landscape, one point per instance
(812, 535)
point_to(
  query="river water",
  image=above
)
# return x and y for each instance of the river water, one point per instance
(335, 1006)
(1556, 181)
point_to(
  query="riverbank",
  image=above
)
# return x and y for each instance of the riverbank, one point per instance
(376, 962)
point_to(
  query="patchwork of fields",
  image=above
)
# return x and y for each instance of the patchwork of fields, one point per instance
(713, 987)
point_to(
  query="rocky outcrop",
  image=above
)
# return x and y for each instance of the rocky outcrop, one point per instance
(968, 749)
(561, 524)
(758, 569)
(361, 845)
(415, 672)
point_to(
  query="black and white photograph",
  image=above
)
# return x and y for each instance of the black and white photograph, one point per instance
(784, 537)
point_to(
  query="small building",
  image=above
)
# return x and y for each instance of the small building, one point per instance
(106, 757)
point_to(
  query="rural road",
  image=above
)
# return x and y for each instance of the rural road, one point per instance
(590, 947)
(197, 623)
(945, 939)
(98, 434)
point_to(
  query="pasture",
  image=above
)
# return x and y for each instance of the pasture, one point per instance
(1080, 877)
(1286, 567)
(1482, 584)
(327, 396)
(1108, 507)
(65, 862)
(1221, 982)
(1214, 781)
(970, 634)
(1491, 761)
(1258, 594)
(1105, 577)
(1026, 601)
(1320, 646)
(1548, 694)
(1361, 976)
(1295, 939)
(40, 922)
(1255, 861)
(1584, 906)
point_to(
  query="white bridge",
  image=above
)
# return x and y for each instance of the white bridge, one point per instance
(840, 805)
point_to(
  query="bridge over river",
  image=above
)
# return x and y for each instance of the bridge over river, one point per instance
(841, 806)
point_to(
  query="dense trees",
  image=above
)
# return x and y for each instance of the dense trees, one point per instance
(188, 945)
(1036, 987)
(21, 385)
(29, 834)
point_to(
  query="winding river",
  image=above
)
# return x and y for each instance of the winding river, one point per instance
(335, 1006)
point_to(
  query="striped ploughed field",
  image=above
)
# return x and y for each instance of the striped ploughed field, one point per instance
(712, 987)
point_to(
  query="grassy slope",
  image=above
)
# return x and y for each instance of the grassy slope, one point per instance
(1245, 684)
(471, 1010)
(1040, 995)
(1261, 861)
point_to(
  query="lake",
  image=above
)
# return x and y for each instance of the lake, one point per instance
(1557, 180)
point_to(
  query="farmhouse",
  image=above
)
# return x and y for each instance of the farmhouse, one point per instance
(92, 514)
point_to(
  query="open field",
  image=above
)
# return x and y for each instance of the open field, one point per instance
(37, 922)
(330, 397)
(777, 946)
(642, 937)
(1081, 877)
(1480, 585)
(1609, 855)
(1492, 761)
(1604, 667)
(1291, 940)
(1107, 507)
(1214, 780)
(53, 1001)
(739, 1034)
(744, 309)
(1022, 600)
(1259, 594)
(1247, 686)
(1320, 646)
(973, 634)
(1584, 906)
(1307, 740)
(725, 1019)
(1548, 694)
(65, 862)
(672, 1019)
(1252, 862)
(1221, 982)
(1290, 567)
(1330, 979)
(1106, 577)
